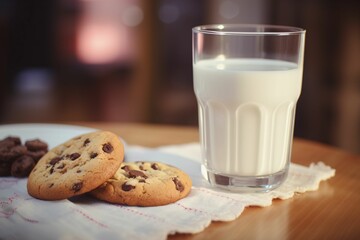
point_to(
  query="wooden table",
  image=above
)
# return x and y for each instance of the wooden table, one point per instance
(332, 212)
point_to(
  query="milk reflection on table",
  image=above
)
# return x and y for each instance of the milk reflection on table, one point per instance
(247, 107)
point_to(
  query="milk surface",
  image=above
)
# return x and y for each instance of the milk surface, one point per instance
(246, 114)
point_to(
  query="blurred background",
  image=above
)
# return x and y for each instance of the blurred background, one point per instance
(130, 60)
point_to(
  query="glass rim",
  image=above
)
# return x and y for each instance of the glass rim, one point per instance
(248, 30)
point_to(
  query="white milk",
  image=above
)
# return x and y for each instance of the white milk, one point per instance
(246, 114)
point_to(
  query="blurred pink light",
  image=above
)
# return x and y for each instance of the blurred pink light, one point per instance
(200, 42)
(101, 43)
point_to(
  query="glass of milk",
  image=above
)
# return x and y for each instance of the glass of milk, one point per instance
(247, 80)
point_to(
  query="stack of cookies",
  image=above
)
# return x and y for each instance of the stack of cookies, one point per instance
(17, 159)
(93, 163)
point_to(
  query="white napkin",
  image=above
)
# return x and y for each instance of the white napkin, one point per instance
(23, 217)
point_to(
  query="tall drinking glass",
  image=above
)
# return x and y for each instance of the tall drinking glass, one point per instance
(247, 81)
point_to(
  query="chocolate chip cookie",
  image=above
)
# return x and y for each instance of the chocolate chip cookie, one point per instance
(145, 184)
(77, 166)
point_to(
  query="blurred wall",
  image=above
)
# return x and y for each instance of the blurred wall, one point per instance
(130, 60)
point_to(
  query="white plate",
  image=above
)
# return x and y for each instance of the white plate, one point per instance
(53, 134)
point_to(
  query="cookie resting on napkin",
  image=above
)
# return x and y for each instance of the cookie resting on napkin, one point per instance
(145, 184)
(77, 166)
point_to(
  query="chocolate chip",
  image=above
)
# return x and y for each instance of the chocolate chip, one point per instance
(51, 185)
(5, 168)
(36, 155)
(108, 148)
(74, 156)
(15, 140)
(9, 154)
(6, 145)
(77, 186)
(36, 145)
(155, 166)
(136, 173)
(141, 167)
(19, 149)
(126, 187)
(22, 166)
(55, 160)
(86, 142)
(93, 155)
(126, 168)
(78, 171)
(179, 186)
